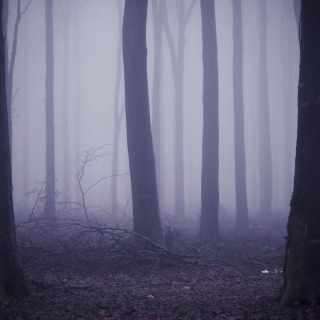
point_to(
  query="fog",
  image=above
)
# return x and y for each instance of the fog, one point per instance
(84, 100)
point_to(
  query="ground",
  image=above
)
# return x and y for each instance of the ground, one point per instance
(237, 278)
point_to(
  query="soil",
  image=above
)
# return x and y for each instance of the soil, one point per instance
(237, 278)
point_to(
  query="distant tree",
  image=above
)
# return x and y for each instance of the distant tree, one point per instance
(145, 204)
(265, 160)
(209, 219)
(302, 264)
(157, 114)
(50, 207)
(177, 61)
(117, 115)
(64, 15)
(12, 280)
(242, 220)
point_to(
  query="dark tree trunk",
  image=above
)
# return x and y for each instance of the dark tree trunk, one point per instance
(50, 207)
(265, 161)
(145, 204)
(10, 64)
(117, 118)
(12, 278)
(242, 221)
(157, 9)
(302, 269)
(177, 60)
(209, 219)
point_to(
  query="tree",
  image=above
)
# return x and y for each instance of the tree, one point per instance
(50, 207)
(242, 221)
(145, 204)
(177, 61)
(12, 278)
(117, 116)
(209, 224)
(64, 15)
(10, 63)
(265, 160)
(157, 10)
(302, 264)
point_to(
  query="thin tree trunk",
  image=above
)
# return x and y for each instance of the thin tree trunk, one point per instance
(265, 161)
(145, 204)
(209, 219)
(117, 117)
(242, 220)
(26, 150)
(65, 106)
(50, 207)
(157, 9)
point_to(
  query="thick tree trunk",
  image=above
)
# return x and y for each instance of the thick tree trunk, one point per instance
(209, 224)
(12, 279)
(302, 268)
(242, 220)
(265, 161)
(146, 219)
(50, 207)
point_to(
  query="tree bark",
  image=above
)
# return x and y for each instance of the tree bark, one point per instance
(12, 278)
(242, 220)
(50, 207)
(302, 267)
(209, 219)
(145, 204)
(265, 160)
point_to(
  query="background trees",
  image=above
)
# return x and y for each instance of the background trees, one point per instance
(146, 219)
(302, 267)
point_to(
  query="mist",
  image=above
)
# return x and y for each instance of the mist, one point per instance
(86, 104)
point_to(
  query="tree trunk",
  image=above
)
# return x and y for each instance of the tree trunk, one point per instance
(26, 149)
(302, 268)
(12, 278)
(242, 220)
(265, 161)
(117, 118)
(209, 224)
(157, 9)
(50, 207)
(65, 106)
(146, 219)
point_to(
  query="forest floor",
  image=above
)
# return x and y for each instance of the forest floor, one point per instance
(237, 278)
